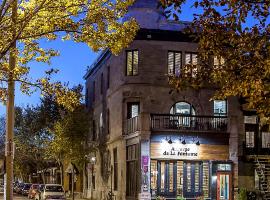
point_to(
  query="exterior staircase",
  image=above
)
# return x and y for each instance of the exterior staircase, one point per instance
(262, 166)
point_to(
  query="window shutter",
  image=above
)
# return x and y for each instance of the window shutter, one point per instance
(188, 58)
(135, 62)
(178, 58)
(170, 63)
(129, 63)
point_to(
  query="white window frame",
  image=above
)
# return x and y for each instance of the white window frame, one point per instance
(250, 139)
(266, 140)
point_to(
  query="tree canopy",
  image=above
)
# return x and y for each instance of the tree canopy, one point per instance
(234, 49)
(28, 22)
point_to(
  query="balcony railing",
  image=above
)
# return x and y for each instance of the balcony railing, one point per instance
(188, 122)
(131, 125)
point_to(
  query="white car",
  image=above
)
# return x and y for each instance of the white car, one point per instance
(51, 192)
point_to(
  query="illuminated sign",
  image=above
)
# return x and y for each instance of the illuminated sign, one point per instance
(175, 150)
(181, 151)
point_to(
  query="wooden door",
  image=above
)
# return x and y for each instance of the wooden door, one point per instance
(224, 186)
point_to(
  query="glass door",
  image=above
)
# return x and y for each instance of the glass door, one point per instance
(224, 186)
(166, 178)
(192, 179)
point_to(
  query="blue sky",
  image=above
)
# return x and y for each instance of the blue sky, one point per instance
(73, 61)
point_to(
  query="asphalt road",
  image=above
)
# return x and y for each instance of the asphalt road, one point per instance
(16, 197)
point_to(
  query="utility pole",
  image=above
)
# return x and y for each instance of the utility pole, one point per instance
(10, 109)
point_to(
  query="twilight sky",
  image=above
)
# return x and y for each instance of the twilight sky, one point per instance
(72, 62)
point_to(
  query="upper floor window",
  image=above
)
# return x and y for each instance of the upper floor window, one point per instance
(132, 62)
(133, 109)
(94, 91)
(101, 83)
(108, 77)
(265, 139)
(174, 62)
(220, 107)
(218, 61)
(182, 108)
(86, 97)
(192, 59)
(250, 139)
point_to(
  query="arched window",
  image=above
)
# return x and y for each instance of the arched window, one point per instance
(182, 108)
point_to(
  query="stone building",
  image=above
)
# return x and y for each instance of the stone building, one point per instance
(151, 142)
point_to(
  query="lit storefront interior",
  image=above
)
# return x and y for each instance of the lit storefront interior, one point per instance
(190, 167)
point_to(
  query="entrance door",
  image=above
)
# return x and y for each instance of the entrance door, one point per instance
(166, 178)
(224, 185)
(192, 179)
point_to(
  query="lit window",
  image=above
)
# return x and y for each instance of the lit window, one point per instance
(191, 59)
(265, 139)
(218, 61)
(174, 62)
(220, 107)
(133, 110)
(182, 108)
(132, 62)
(250, 140)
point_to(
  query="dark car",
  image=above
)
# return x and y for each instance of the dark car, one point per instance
(25, 189)
(18, 188)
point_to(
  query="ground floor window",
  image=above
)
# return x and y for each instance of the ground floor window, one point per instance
(132, 185)
(179, 178)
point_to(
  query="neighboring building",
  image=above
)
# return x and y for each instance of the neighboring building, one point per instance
(151, 141)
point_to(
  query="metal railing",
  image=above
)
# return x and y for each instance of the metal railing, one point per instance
(188, 122)
(131, 125)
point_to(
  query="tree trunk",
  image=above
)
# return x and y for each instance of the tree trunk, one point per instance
(10, 111)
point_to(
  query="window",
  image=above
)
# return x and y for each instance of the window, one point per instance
(191, 59)
(94, 91)
(108, 121)
(101, 84)
(93, 181)
(182, 108)
(265, 139)
(220, 107)
(218, 61)
(250, 140)
(132, 62)
(86, 98)
(132, 184)
(94, 137)
(108, 77)
(174, 63)
(115, 169)
(133, 110)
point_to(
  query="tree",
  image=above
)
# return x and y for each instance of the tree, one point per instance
(24, 23)
(69, 138)
(31, 137)
(236, 35)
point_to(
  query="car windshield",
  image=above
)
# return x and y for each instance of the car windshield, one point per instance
(41, 187)
(54, 188)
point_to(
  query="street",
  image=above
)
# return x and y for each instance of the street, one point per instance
(16, 197)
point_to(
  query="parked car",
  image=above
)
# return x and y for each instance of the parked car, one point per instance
(51, 191)
(25, 189)
(19, 188)
(33, 190)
